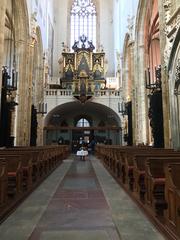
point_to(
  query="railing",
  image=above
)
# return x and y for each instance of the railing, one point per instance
(58, 92)
(97, 93)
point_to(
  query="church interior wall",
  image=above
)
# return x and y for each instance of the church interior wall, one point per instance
(104, 31)
(38, 34)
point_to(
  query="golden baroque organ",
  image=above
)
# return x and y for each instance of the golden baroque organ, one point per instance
(83, 69)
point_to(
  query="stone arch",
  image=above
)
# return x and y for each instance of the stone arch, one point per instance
(152, 64)
(174, 97)
(147, 56)
(93, 112)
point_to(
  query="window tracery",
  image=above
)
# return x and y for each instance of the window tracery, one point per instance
(83, 20)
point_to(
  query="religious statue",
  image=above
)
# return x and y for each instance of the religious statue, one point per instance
(97, 69)
(69, 69)
(75, 46)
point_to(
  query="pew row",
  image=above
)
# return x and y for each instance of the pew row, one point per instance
(172, 196)
(144, 172)
(22, 169)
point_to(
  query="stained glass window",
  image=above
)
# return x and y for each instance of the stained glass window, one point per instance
(83, 20)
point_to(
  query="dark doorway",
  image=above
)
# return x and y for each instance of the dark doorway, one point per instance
(156, 118)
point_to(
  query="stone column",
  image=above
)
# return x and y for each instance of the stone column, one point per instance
(40, 130)
(131, 88)
(164, 74)
(2, 26)
(29, 94)
(23, 93)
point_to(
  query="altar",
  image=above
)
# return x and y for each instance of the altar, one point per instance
(82, 153)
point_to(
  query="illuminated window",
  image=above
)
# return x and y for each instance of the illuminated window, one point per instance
(83, 21)
(83, 123)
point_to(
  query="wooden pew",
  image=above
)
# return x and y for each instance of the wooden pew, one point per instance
(26, 162)
(129, 161)
(155, 182)
(172, 196)
(139, 163)
(22, 169)
(14, 175)
(146, 168)
(3, 182)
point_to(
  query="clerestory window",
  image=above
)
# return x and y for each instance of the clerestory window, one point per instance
(83, 21)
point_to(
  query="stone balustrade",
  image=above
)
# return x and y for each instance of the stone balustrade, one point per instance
(97, 93)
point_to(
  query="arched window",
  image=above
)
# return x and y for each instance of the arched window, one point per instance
(83, 20)
(83, 123)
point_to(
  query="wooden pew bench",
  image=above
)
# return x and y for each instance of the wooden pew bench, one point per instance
(139, 165)
(22, 169)
(14, 175)
(155, 182)
(172, 196)
(3, 182)
(129, 161)
(26, 165)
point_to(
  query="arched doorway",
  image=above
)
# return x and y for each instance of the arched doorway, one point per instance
(71, 123)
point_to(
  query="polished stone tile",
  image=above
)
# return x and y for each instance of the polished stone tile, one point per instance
(80, 183)
(75, 235)
(21, 223)
(78, 204)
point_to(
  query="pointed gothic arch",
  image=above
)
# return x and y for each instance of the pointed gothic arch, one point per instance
(147, 57)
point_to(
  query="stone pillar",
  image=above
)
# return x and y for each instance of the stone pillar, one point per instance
(2, 26)
(40, 130)
(132, 92)
(164, 74)
(29, 94)
(25, 54)
(23, 92)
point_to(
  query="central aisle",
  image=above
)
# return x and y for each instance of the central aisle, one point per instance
(78, 201)
(78, 209)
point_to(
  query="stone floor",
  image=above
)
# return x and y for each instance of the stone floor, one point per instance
(79, 201)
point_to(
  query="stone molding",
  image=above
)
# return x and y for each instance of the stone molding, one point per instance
(172, 23)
